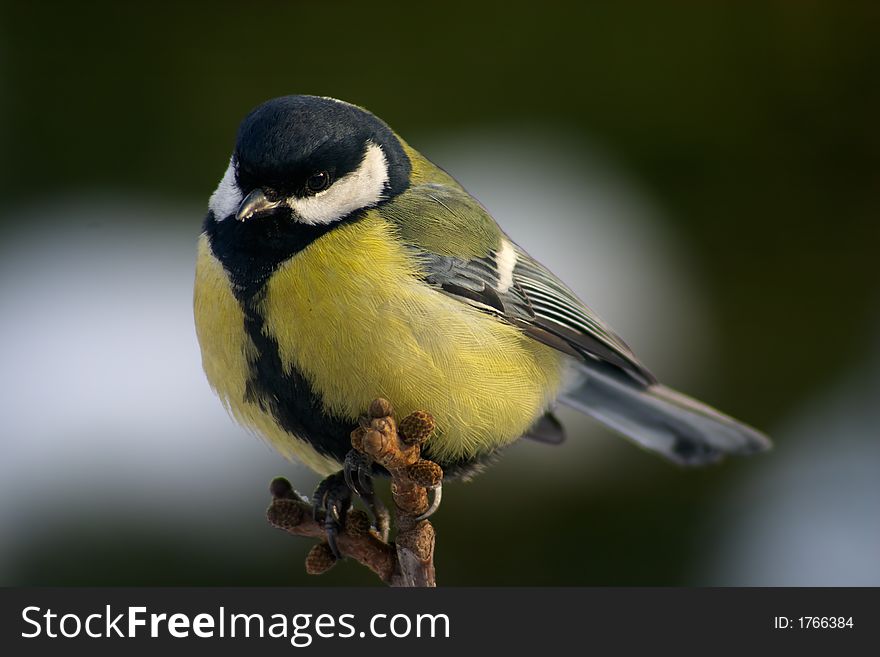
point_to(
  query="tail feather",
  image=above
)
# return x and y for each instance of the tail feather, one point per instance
(661, 419)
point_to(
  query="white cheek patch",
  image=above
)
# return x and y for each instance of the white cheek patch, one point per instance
(505, 261)
(359, 189)
(227, 197)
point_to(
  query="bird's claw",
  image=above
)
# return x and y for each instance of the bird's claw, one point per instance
(358, 472)
(330, 504)
(435, 503)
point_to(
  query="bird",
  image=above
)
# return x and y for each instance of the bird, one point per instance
(337, 264)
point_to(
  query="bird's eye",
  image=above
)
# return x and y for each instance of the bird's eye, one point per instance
(318, 182)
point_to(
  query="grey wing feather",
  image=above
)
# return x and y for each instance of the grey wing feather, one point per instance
(536, 301)
(616, 388)
(477, 280)
(558, 310)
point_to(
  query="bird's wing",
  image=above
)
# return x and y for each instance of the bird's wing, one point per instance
(464, 254)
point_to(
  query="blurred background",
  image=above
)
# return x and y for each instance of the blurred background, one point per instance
(705, 175)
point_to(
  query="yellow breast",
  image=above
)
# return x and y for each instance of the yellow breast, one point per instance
(353, 315)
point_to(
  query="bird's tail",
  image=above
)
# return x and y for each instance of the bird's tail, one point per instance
(661, 419)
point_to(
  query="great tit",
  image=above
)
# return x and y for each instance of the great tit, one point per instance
(337, 265)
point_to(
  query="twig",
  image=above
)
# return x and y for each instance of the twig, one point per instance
(409, 561)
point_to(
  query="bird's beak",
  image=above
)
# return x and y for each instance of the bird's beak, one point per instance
(254, 204)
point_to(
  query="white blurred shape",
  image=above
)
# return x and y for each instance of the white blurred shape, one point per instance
(104, 401)
(809, 514)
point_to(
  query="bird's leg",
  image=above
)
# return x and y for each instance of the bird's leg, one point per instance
(330, 504)
(358, 471)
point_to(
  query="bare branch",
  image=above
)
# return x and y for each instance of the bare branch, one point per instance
(409, 561)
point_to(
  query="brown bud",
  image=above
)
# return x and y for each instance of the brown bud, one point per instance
(381, 408)
(374, 444)
(416, 427)
(281, 488)
(286, 513)
(426, 474)
(320, 559)
(380, 424)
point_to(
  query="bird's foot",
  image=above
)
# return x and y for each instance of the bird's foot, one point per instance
(358, 473)
(330, 504)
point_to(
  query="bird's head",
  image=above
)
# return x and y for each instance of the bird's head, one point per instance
(309, 161)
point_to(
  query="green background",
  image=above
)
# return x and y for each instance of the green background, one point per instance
(753, 125)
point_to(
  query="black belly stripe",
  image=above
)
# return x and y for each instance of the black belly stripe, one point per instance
(250, 253)
(288, 396)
